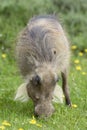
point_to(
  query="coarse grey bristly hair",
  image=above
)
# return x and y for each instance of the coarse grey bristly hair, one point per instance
(43, 40)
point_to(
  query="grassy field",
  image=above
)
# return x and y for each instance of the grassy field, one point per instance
(15, 115)
(19, 114)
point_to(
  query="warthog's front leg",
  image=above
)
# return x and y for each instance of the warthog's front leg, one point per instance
(65, 87)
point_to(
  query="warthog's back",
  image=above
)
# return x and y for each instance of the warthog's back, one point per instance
(42, 41)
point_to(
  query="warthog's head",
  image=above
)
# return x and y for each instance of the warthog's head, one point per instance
(41, 88)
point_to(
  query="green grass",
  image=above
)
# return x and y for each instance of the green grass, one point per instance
(13, 17)
(19, 114)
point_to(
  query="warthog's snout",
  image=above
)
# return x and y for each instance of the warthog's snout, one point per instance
(44, 110)
(41, 88)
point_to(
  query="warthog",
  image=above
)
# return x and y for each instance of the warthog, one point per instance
(43, 53)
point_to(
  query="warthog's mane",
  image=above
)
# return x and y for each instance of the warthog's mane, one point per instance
(43, 40)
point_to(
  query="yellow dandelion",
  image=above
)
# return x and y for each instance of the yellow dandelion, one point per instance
(84, 73)
(39, 125)
(2, 127)
(3, 55)
(74, 105)
(6, 123)
(20, 129)
(73, 47)
(33, 121)
(80, 54)
(76, 61)
(78, 68)
(85, 50)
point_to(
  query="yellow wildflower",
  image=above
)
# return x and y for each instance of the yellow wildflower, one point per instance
(20, 129)
(38, 125)
(2, 127)
(80, 54)
(3, 55)
(74, 105)
(78, 68)
(33, 121)
(6, 123)
(84, 73)
(85, 50)
(74, 47)
(76, 61)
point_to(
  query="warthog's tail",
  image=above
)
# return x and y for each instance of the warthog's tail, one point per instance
(22, 94)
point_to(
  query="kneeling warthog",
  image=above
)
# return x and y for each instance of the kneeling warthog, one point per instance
(42, 54)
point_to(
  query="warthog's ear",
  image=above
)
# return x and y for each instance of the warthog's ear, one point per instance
(36, 80)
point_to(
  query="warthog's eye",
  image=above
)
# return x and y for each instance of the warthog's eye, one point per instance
(36, 80)
(54, 51)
